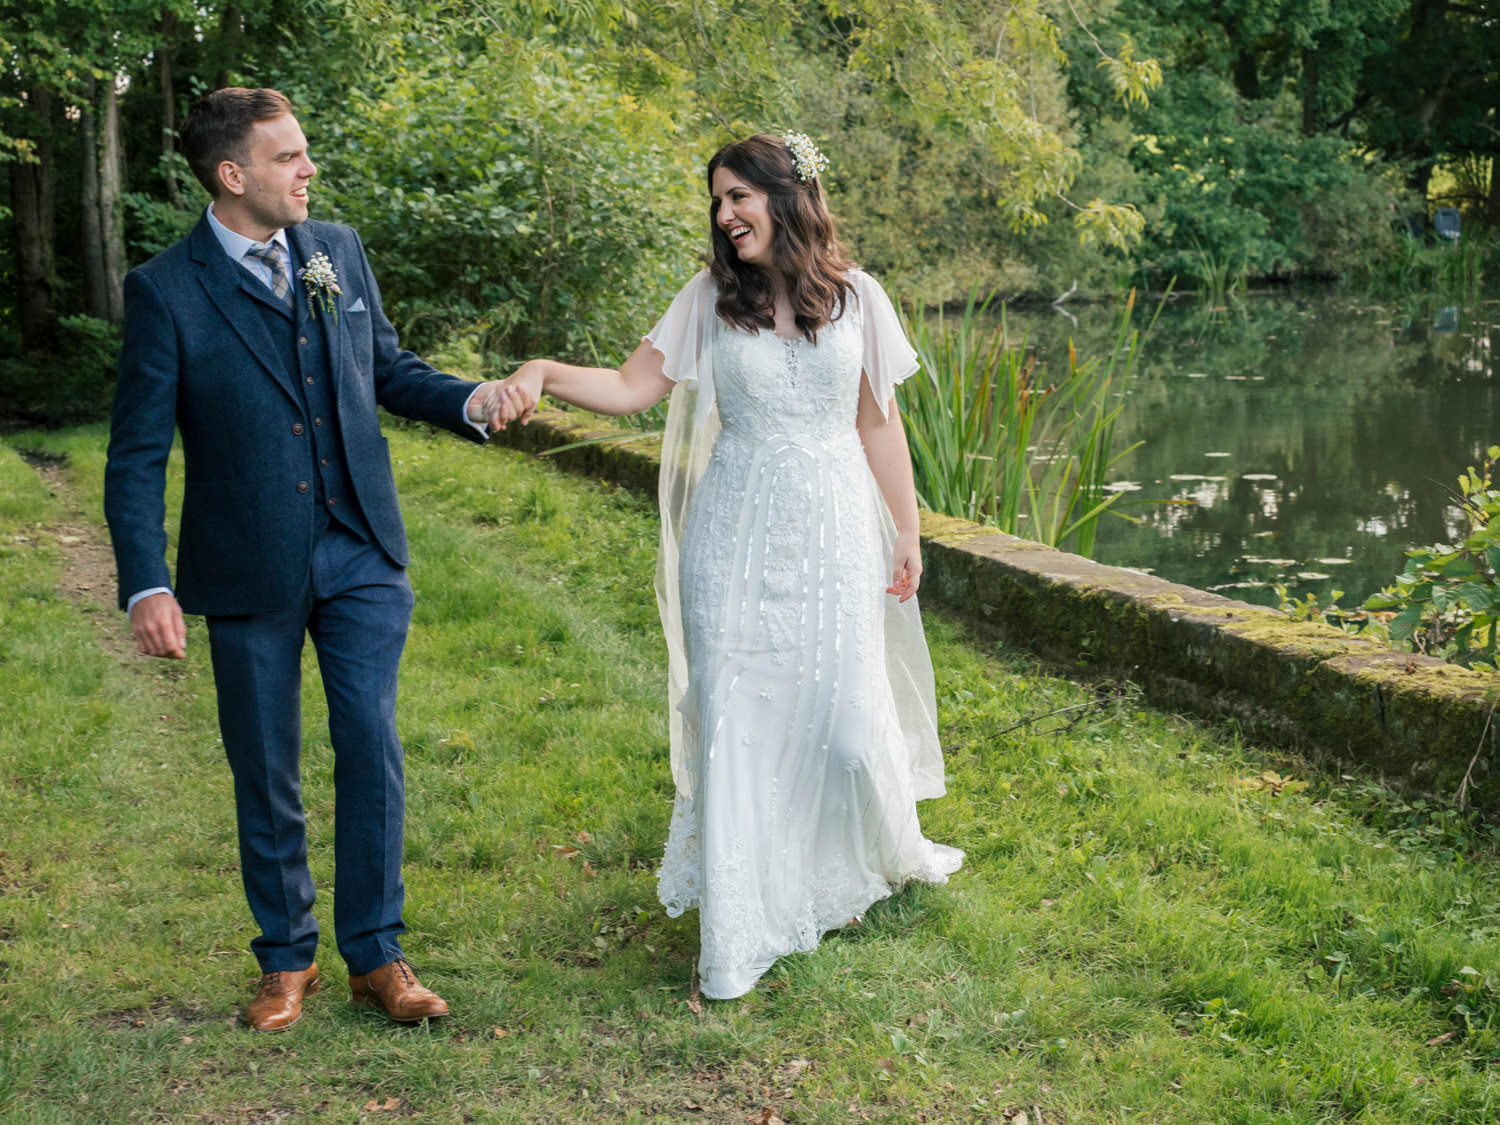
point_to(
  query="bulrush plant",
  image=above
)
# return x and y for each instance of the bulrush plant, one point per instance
(994, 442)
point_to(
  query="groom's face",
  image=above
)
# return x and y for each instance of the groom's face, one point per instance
(275, 180)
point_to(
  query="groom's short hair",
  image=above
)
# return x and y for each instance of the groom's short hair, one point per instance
(218, 127)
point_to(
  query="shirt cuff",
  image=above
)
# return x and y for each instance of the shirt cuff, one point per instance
(484, 431)
(130, 605)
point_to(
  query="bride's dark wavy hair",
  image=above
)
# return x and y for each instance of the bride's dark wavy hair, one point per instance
(805, 246)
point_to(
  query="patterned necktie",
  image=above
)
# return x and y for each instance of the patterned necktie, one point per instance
(281, 283)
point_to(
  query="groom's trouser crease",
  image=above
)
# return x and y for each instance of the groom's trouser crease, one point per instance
(356, 607)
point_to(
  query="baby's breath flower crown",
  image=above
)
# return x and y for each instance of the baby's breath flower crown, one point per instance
(807, 161)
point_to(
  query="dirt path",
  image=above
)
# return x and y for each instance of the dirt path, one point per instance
(88, 570)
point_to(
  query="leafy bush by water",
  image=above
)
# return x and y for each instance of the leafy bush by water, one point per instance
(1447, 600)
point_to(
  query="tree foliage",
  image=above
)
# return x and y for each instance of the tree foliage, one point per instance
(534, 169)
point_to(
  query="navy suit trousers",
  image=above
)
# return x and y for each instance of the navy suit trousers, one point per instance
(356, 607)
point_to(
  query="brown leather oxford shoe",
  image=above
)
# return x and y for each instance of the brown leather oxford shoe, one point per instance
(278, 999)
(394, 989)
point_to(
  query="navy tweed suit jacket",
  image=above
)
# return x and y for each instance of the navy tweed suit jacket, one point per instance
(198, 357)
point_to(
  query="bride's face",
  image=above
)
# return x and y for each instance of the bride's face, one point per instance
(743, 213)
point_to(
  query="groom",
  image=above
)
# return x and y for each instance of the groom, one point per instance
(289, 527)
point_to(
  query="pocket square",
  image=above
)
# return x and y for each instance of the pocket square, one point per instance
(358, 306)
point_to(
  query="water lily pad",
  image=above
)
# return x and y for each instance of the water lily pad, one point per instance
(1218, 453)
(1259, 476)
(1269, 562)
(1123, 486)
(1312, 575)
(1333, 562)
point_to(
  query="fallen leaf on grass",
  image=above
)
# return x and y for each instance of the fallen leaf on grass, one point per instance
(1439, 1040)
(1272, 783)
(372, 1106)
(794, 1071)
(499, 1032)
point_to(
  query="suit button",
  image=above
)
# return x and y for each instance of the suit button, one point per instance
(302, 340)
(324, 462)
(317, 421)
(302, 486)
(296, 427)
(332, 500)
(309, 380)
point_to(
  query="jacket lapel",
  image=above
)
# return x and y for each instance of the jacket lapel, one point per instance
(227, 285)
(305, 245)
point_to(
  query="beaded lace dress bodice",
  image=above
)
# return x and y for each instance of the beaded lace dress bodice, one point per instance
(805, 813)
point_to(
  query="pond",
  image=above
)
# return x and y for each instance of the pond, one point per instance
(1304, 439)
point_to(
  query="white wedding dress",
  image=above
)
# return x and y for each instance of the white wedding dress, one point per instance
(804, 724)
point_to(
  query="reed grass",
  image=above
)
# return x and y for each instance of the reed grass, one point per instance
(993, 441)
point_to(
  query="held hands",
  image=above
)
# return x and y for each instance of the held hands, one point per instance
(157, 625)
(502, 401)
(906, 566)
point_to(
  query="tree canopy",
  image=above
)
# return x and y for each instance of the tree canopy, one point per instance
(529, 174)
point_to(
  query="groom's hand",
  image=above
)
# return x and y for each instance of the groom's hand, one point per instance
(157, 625)
(489, 405)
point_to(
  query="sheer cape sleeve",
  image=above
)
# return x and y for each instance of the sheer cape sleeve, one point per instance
(685, 337)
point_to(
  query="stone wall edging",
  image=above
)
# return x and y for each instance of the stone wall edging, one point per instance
(1415, 721)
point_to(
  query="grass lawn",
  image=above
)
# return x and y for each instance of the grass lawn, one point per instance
(1138, 935)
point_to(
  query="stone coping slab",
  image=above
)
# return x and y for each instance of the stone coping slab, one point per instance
(1413, 720)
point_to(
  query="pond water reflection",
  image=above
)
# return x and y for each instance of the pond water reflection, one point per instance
(1304, 439)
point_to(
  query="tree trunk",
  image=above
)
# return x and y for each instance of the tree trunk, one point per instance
(111, 219)
(32, 220)
(231, 32)
(1247, 75)
(1492, 205)
(1310, 75)
(166, 54)
(90, 232)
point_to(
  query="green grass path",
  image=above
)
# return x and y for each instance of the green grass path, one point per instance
(1135, 937)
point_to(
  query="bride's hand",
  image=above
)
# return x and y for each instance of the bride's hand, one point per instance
(906, 566)
(523, 389)
(502, 401)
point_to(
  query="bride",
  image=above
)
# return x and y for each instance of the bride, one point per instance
(804, 720)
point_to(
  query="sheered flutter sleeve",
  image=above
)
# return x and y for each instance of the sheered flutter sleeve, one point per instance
(685, 338)
(889, 358)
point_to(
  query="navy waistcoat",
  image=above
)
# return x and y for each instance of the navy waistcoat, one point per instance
(301, 334)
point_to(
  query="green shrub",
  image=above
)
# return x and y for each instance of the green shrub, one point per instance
(70, 385)
(519, 190)
(1447, 601)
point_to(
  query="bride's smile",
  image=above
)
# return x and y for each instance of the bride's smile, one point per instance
(743, 213)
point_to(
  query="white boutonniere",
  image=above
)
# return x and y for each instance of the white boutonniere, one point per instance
(322, 283)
